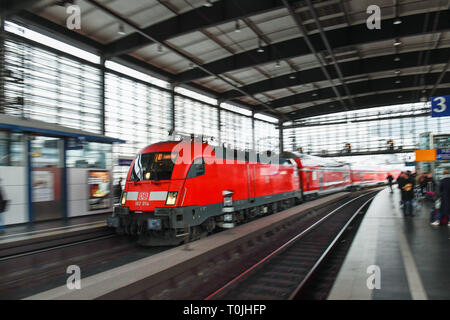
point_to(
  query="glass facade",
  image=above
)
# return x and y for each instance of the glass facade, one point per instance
(12, 148)
(136, 112)
(192, 116)
(236, 130)
(90, 155)
(44, 85)
(365, 130)
(266, 136)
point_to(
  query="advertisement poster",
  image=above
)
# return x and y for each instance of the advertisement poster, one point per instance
(43, 186)
(99, 189)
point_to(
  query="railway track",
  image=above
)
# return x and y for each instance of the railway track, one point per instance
(51, 241)
(27, 272)
(285, 272)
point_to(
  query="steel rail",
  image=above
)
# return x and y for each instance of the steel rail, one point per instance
(326, 252)
(281, 248)
(32, 252)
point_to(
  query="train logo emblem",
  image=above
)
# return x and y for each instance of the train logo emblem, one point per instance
(143, 196)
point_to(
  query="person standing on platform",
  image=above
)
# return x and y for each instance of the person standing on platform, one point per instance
(400, 183)
(444, 192)
(390, 178)
(408, 194)
(3, 202)
(118, 191)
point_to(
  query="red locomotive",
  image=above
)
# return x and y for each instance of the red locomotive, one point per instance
(183, 190)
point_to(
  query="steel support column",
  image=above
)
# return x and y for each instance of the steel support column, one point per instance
(219, 122)
(280, 136)
(172, 108)
(253, 130)
(102, 93)
(2, 67)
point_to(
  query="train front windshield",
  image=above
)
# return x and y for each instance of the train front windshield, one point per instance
(153, 166)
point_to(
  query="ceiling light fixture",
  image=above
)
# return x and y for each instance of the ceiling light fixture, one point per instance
(260, 48)
(121, 30)
(397, 81)
(208, 4)
(397, 21)
(397, 71)
(292, 76)
(397, 43)
(397, 59)
(237, 27)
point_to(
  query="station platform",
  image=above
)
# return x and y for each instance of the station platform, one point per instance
(36, 231)
(409, 257)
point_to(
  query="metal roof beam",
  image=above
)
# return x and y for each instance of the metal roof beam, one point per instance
(370, 101)
(314, 51)
(151, 37)
(221, 12)
(362, 87)
(338, 38)
(11, 7)
(329, 49)
(58, 32)
(349, 69)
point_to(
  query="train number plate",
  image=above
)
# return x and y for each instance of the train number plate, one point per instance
(154, 224)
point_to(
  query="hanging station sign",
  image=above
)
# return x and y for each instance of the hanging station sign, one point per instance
(440, 106)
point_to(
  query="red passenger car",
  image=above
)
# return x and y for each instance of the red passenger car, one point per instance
(321, 176)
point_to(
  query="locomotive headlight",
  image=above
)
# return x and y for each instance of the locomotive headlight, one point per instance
(171, 198)
(124, 198)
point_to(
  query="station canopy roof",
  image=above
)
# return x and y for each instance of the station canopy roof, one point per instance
(289, 59)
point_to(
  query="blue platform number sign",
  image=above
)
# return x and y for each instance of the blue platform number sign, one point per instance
(443, 154)
(440, 106)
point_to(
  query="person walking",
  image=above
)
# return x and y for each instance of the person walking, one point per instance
(408, 194)
(444, 193)
(390, 178)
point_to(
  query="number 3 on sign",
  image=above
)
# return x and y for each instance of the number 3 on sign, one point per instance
(439, 107)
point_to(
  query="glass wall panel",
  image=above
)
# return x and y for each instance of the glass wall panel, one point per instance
(12, 148)
(236, 130)
(195, 117)
(90, 155)
(136, 112)
(365, 130)
(43, 85)
(266, 136)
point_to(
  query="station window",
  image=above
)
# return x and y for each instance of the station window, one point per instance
(12, 149)
(90, 155)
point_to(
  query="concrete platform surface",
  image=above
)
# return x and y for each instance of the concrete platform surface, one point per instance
(394, 257)
(36, 230)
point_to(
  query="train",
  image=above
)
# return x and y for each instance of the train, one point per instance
(180, 191)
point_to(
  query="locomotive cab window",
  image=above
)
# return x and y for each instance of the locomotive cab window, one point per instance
(197, 168)
(153, 166)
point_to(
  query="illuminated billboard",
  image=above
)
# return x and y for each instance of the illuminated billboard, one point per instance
(99, 189)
